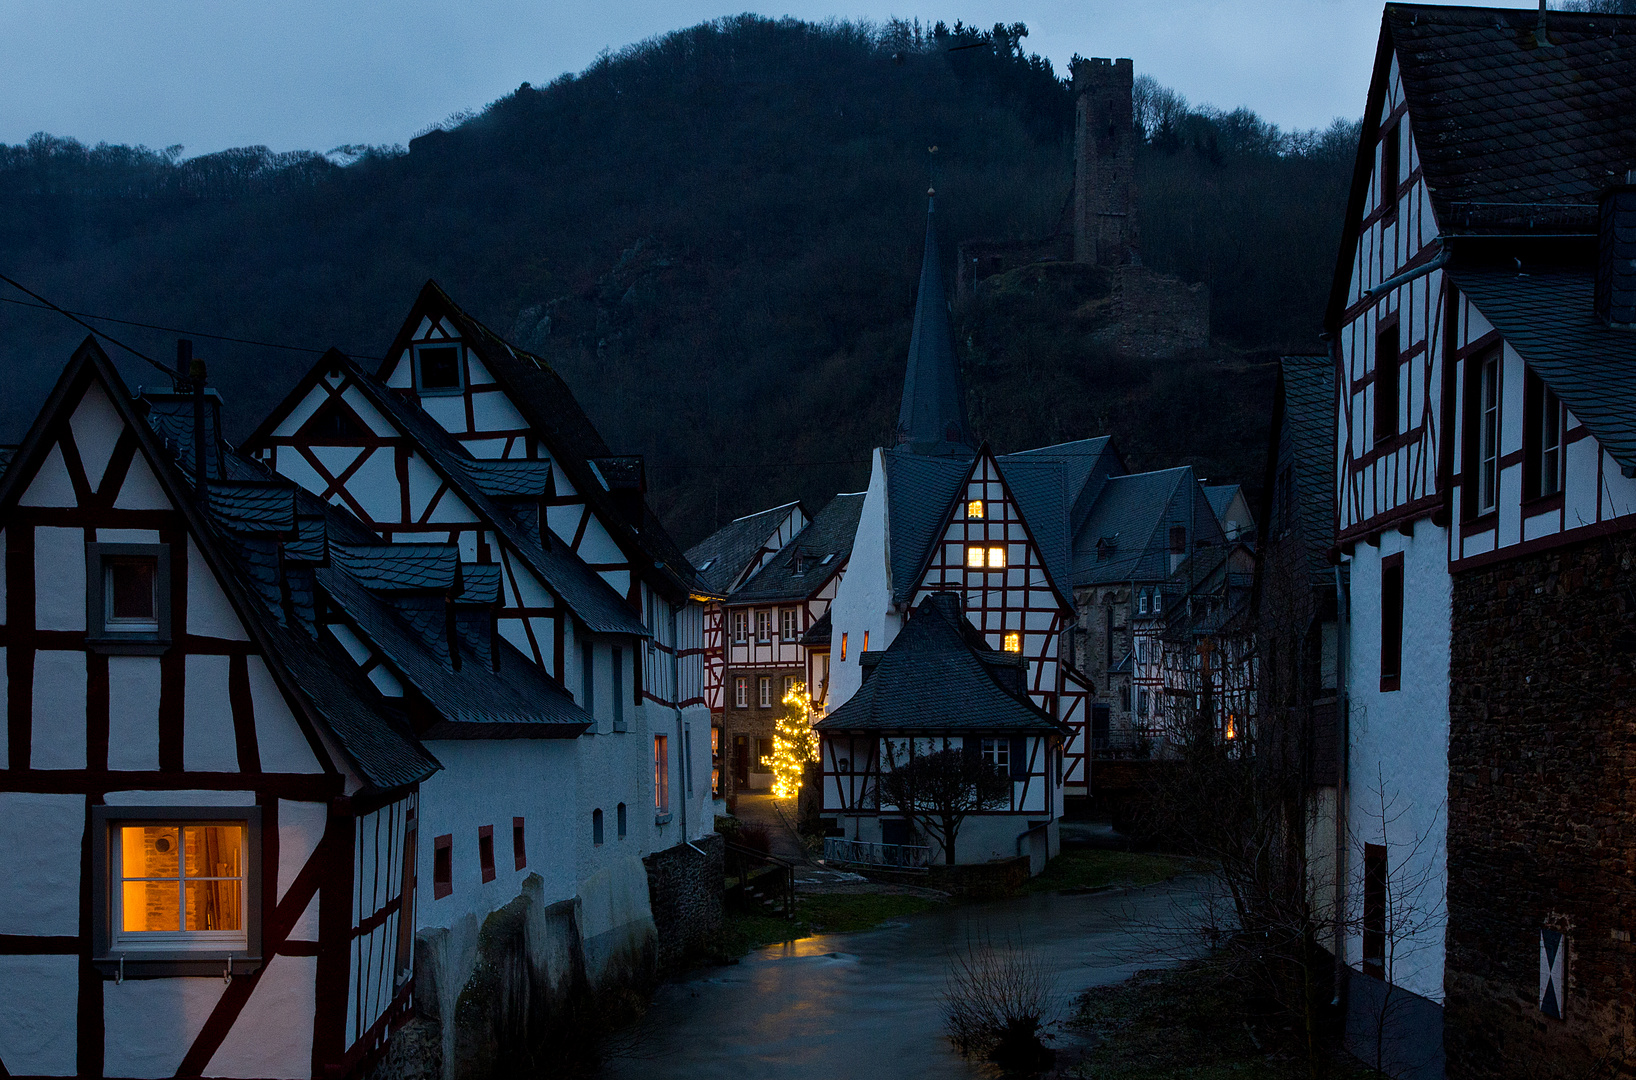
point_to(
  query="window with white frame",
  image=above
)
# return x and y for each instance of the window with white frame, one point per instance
(1141, 603)
(766, 688)
(127, 597)
(788, 630)
(661, 775)
(180, 884)
(789, 685)
(997, 752)
(437, 368)
(741, 691)
(741, 626)
(1488, 433)
(764, 626)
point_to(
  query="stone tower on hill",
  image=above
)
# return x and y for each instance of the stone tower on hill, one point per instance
(1105, 231)
(1142, 312)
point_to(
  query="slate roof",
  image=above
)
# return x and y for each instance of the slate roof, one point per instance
(1086, 466)
(400, 567)
(519, 699)
(827, 536)
(1307, 384)
(721, 557)
(920, 492)
(590, 598)
(818, 635)
(1547, 316)
(264, 507)
(1040, 487)
(932, 417)
(939, 676)
(550, 407)
(514, 479)
(1128, 514)
(1220, 497)
(1510, 134)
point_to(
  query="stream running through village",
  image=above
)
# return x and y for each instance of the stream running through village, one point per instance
(867, 1004)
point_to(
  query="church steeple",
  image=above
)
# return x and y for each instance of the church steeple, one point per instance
(932, 419)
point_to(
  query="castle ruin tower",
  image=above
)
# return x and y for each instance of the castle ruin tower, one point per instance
(1104, 163)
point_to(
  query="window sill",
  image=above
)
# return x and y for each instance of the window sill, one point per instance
(442, 391)
(1542, 504)
(132, 645)
(173, 965)
(1484, 522)
(1389, 683)
(661, 819)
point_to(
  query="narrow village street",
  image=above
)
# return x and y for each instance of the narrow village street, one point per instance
(867, 1003)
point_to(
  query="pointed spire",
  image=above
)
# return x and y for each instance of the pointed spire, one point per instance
(932, 419)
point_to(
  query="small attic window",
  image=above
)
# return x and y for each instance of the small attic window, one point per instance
(702, 567)
(974, 509)
(825, 561)
(334, 424)
(437, 368)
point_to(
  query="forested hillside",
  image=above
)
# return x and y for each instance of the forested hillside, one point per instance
(715, 236)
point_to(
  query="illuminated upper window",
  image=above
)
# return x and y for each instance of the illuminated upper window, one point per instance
(996, 558)
(1013, 642)
(974, 558)
(181, 883)
(974, 508)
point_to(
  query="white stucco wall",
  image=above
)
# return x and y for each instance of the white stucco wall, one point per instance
(1398, 749)
(863, 601)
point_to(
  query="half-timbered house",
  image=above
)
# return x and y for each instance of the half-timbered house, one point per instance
(782, 595)
(462, 441)
(939, 685)
(1484, 504)
(212, 821)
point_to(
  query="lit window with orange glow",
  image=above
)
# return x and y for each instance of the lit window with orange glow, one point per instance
(181, 883)
(843, 645)
(996, 558)
(974, 558)
(1013, 642)
(974, 509)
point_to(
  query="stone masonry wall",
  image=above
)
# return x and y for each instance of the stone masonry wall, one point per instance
(685, 891)
(1542, 767)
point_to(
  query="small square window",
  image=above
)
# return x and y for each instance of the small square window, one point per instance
(1013, 643)
(974, 509)
(974, 558)
(180, 885)
(437, 368)
(996, 558)
(997, 753)
(127, 597)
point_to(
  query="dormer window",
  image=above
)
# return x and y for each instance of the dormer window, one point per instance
(127, 597)
(437, 368)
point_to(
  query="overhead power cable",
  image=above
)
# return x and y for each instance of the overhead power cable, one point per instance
(169, 372)
(47, 306)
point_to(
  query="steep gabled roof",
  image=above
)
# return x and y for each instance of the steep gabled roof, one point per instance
(932, 418)
(939, 675)
(920, 492)
(383, 752)
(1304, 414)
(721, 559)
(591, 599)
(551, 409)
(1548, 317)
(1040, 488)
(1513, 138)
(1086, 466)
(823, 547)
(1122, 539)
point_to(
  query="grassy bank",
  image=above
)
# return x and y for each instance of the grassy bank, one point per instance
(823, 914)
(1192, 1022)
(1083, 870)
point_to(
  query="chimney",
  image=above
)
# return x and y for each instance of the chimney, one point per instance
(1616, 256)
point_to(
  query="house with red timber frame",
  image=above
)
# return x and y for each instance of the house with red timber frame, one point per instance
(210, 820)
(783, 593)
(722, 563)
(1485, 504)
(939, 686)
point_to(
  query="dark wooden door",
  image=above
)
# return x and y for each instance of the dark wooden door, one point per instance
(741, 762)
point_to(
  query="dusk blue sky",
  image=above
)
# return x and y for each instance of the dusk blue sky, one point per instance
(314, 74)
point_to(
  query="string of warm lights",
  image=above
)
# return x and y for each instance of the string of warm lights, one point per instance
(794, 742)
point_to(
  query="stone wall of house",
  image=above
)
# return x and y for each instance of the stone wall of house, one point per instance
(1541, 831)
(752, 722)
(685, 891)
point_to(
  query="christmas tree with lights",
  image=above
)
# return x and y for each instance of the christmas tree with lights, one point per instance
(794, 743)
